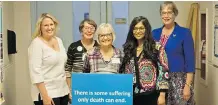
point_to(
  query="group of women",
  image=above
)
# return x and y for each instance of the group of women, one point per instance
(161, 61)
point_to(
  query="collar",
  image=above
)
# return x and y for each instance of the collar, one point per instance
(97, 50)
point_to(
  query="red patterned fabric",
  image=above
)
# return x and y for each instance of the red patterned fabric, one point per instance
(149, 79)
(163, 39)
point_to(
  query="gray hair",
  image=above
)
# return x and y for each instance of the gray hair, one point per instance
(171, 5)
(105, 26)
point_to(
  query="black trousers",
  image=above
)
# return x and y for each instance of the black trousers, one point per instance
(150, 99)
(58, 101)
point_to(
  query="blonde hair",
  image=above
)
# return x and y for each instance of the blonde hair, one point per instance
(37, 31)
(105, 27)
(171, 5)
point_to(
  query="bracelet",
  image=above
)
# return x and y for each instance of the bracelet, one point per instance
(188, 85)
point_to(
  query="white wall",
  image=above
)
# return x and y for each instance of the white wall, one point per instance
(207, 94)
(22, 27)
(9, 90)
(16, 16)
(184, 8)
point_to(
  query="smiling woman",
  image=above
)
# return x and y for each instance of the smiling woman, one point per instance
(146, 60)
(104, 58)
(105, 33)
(179, 46)
(47, 57)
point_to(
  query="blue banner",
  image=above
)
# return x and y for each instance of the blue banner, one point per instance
(102, 89)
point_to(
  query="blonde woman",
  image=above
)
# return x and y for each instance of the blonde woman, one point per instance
(104, 58)
(47, 57)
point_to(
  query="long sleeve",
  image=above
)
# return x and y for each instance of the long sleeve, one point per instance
(188, 47)
(69, 63)
(122, 63)
(121, 69)
(163, 78)
(35, 62)
(86, 64)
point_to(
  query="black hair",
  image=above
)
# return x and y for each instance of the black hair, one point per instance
(129, 48)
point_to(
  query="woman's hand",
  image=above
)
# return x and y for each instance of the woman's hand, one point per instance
(45, 98)
(70, 98)
(161, 99)
(48, 101)
(186, 93)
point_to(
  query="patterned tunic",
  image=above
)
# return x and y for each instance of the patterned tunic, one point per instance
(149, 80)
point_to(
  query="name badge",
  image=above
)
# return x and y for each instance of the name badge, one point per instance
(134, 79)
(115, 60)
(83, 56)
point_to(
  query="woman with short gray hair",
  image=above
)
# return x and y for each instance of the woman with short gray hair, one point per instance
(104, 58)
(179, 46)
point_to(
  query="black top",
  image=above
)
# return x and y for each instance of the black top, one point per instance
(75, 59)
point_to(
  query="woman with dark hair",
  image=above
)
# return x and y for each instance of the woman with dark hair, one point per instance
(147, 61)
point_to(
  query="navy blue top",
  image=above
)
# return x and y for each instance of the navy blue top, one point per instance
(179, 48)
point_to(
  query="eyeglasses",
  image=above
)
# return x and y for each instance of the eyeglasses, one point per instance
(167, 13)
(105, 35)
(138, 28)
(89, 28)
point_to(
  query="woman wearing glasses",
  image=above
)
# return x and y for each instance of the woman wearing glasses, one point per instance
(77, 49)
(147, 61)
(179, 46)
(104, 58)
